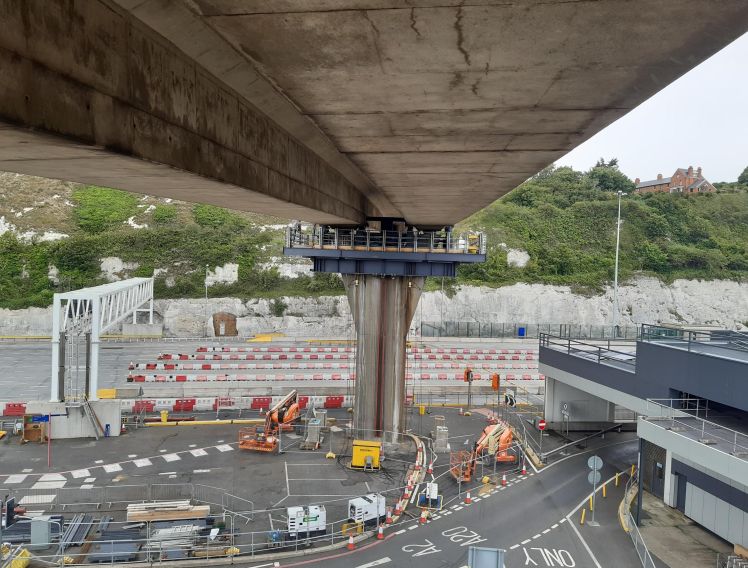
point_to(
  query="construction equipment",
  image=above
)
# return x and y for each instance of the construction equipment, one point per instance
(366, 455)
(369, 509)
(495, 440)
(306, 522)
(282, 416)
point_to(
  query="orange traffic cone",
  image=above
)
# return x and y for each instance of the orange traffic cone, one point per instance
(524, 467)
(424, 517)
(398, 510)
(468, 500)
(380, 533)
(503, 480)
(430, 470)
(406, 495)
(388, 519)
(418, 466)
(351, 544)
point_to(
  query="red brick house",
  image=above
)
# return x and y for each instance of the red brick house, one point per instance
(682, 181)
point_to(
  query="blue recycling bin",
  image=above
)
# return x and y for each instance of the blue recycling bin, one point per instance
(520, 332)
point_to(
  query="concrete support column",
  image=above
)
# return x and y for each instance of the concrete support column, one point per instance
(55, 388)
(382, 308)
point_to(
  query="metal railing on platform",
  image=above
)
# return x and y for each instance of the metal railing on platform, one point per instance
(602, 354)
(386, 240)
(636, 537)
(695, 340)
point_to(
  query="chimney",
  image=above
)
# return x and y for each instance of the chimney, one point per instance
(690, 171)
(659, 176)
(698, 171)
(636, 181)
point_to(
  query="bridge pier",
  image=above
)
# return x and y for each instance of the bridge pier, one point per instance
(384, 266)
(382, 308)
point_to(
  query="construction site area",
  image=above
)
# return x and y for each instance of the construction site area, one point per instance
(149, 451)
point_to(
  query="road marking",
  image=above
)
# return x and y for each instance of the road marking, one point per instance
(379, 562)
(52, 477)
(170, 473)
(37, 499)
(524, 542)
(198, 453)
(447, 513)
(224, 448)
(78, 473)
(454, 506)
(476, 499)
(16, 478)
(87, 486)
(99, 461)
(401, 531)
(144, 462)
(27, 470)
(410, 528)
(193, 445)
(554, 526)
(584, 542)
(562, 520)
(200, 471)
(131, 456)
(162, 451)
(49, 485)
(171, 457)
(514, 546)
(112, 467)
(458, 508)
(546, 531)
(89, 480)
(536, 536)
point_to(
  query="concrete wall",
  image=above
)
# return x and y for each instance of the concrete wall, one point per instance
(73, 423)
(583, 407)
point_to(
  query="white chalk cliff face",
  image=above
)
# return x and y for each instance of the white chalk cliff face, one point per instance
(644, 300)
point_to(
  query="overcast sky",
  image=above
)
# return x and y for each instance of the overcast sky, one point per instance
(699, 120)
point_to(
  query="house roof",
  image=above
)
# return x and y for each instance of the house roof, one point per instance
(654, 182)
(697, 183)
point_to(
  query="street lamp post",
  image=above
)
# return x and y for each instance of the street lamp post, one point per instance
(206, 300)
(615, 278)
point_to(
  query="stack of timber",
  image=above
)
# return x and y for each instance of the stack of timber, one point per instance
(166, 511)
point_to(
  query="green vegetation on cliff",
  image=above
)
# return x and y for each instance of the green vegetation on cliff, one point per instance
(562, 218)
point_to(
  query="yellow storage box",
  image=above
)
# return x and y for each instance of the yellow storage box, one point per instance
(363, 449)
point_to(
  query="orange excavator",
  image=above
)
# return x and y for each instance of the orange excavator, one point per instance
(282, 416)
(496, 439)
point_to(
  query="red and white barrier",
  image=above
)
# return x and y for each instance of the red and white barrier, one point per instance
(185, 378)
(277, 349)
(198, 404)
(313, 365)
(467, 357)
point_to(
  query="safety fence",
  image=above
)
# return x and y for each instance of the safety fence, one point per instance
(318, 365)
(117, 497)
(489, 330)
(632, 485)
(340, 356)
(157, 378)
(603, 354)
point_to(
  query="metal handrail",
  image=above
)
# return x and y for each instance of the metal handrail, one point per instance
(598, 353)
(724, 338)
(636, 537)
(676, 418)
(471, 242)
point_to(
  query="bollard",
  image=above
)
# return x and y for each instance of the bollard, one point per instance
(351, 544)
(380, 533)
(633, 468)
(604, 492)
(388, 519)
(581, 521)
(468, 500)
(590, 502)
(616, 479)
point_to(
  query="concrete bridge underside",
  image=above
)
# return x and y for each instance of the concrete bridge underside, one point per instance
(332, 110)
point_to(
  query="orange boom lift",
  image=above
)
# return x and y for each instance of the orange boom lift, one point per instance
(496, 439)
(282, 416)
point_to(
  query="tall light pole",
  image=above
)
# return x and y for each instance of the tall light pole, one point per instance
(206, 301)
(615, 278)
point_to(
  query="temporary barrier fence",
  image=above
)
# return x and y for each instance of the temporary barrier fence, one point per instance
(317, 365)
(319, 377)
(340, 356)
(525, 330)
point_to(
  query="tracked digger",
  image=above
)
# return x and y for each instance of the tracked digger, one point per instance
(282, 416)
(495, 440)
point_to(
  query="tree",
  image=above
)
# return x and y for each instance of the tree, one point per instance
(743, 177)
(607, 177)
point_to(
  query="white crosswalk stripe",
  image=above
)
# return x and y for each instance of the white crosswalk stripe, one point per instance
(78, 473)
(171, 457)
(112, 467)
(143, 462)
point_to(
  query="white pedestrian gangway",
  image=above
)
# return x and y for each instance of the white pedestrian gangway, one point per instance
(94, 311)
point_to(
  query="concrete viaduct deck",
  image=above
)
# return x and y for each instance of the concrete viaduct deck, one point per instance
(332, 111)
